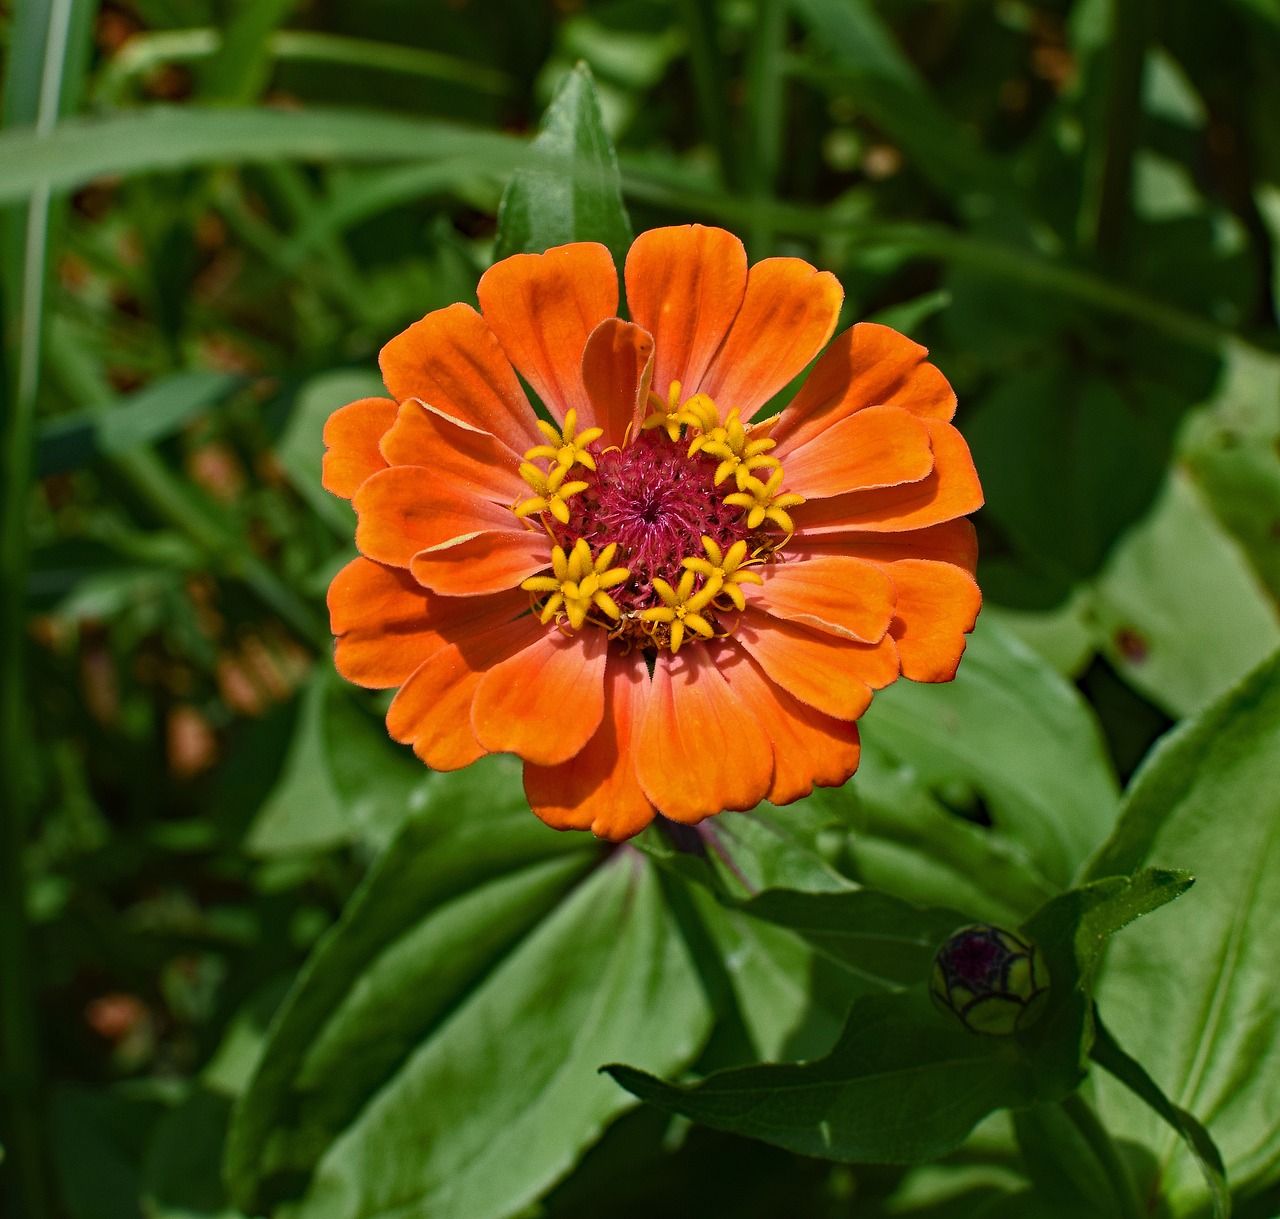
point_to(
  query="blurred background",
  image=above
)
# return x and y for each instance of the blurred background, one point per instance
(214, 216)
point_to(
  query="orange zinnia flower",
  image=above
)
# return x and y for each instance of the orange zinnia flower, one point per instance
(659, 601)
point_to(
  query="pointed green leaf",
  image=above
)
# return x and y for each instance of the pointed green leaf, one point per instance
(544, 208)
(1191, 996)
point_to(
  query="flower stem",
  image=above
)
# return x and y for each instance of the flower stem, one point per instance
(1099, 1141)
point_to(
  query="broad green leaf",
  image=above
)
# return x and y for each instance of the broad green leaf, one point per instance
(1108, 1054)
(1013, 732)
(1065, 1166)
(1179, 612)
(166, 138)
(451, 1026)
(301, 447)
(1191, 995)
(581, 201)
(906, 1082)
(154, 413)
(324, 797)
(879, 937)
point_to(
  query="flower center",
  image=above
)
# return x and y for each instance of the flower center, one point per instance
(654, 540)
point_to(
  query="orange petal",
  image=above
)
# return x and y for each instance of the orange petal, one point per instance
(546, 702)
(597, 789)
(842, 596)
(701, 750)
(617, 365)
(543, 307)
(451, 360)
(380, 617)
(787, 314)
(455, 452)
(937, 607)
(832, 675)
(951, 542)
(481, 563)
(883, 446)
(809, 749)
(867, 365)
(684, 286)
(352, 433)
(952, 490)
(402, 510)
(432, 711)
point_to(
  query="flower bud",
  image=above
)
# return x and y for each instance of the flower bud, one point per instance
(993, 980)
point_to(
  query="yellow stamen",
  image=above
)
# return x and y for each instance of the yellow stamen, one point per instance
(727, 571)
(551, 492)
(763, 502)
(665, 414)
(566, 448)
(682, 608)
(578, 584)
(738, 455)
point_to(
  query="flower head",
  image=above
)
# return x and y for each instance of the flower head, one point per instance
(656, 599)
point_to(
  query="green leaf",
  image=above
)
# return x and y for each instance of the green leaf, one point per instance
(582, 202)
(323, 797)
(1107, 1054)
(903, 1084)
(872, 934)
(1012, 731)
(1180, 613)
(182, 1169)
(439, 1050)
(238, 70)
(67, 442)
(906, 1082)
(166, 138)
(1191, 995)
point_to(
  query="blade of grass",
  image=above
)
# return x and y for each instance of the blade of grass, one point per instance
(766, 112)
(42, 35)
(146, 51)
(710, 83)
(239, 69)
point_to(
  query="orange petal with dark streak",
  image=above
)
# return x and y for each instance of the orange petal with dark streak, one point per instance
(950, 491)
(951, 542)
(883, 446)
(352, 434)
(452, 361)
(617, 365)
(787, 315)
(543, 307)
(809, 749)
(685, 286)
(701, 749)
(546, 702)
(597, 789)
(866, 365)
(841, 596)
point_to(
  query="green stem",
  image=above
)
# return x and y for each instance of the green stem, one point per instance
(1099, 1141)
(1107, 225)
(766, 114)
(710, 82)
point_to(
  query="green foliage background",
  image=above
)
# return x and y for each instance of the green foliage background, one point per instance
(254, 960)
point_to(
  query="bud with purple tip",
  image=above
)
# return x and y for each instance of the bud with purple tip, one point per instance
(994, 981)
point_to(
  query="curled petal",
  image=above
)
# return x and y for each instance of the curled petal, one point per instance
(841, 596)
(480, 563)
(937, 607)
(882, 446)
(457, 454)
(617, 366)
